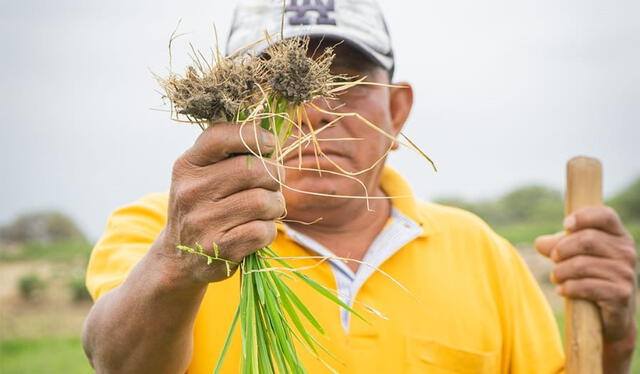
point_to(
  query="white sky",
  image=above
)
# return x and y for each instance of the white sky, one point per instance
(506, 92)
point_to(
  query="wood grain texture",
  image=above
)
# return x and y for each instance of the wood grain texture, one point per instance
(583, 327)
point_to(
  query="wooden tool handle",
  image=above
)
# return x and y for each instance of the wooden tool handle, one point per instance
(583, 329)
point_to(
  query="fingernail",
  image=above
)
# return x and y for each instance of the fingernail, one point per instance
(569, 223)
(554, 256)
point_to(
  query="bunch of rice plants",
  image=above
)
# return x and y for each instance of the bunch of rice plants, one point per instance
(272, 91)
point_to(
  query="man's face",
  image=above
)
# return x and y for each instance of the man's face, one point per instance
(349, 143)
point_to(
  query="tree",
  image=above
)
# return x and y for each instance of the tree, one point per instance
(41, 227)
(627, 202)
(531, 203)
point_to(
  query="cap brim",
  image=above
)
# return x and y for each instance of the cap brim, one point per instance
(386, 62)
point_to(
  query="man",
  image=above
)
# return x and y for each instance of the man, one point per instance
(472, 306)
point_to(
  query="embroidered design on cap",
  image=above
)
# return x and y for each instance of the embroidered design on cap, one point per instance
(322, 7)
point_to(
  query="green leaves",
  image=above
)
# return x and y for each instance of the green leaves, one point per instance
(199, 250)
(272, 319)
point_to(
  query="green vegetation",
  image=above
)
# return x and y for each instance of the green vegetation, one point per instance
(46, 235)
(41, 226)
(43, 355)
(527, 212)
(627, 204)
(55, 251)
(78, 289)
(30, 285)
(635, 367)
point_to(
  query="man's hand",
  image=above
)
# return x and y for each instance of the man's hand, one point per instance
(595, 260)
(217, 196)
(220, 196)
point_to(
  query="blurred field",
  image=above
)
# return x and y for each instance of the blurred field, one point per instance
(40, 333)
(43, 302)
(43, 355)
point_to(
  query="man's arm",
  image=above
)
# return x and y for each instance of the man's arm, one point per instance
(217, 198)
(145, 324)
(596, 260)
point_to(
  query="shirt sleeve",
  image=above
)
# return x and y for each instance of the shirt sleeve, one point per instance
(532, 338)
(129, 234)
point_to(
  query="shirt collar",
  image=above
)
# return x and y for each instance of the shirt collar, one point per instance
(402, 198)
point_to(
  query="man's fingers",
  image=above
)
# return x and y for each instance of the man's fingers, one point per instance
(596, 217)
(245, 239)
(582, 267)
(225, 139)
(545, 243)
(590, 242)
(250, 205)
(597, 290)
(241, 172)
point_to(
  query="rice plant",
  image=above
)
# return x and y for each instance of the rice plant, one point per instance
(271, 90)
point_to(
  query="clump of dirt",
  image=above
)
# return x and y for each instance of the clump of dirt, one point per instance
(228, 89)
(295, 76)
(217, 93)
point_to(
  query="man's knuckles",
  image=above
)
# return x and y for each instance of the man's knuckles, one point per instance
(615, 295)
(256, 203)
(251, 171)
(579, 267)
(245, 239)
(575, 268)
(187, 193)
(597, 217)
(226, 139)
(591, 242)
(229, 138)
(626, 251)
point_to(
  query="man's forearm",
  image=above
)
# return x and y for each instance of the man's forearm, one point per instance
(145, 325)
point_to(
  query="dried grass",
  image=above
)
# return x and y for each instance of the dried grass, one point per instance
(295, 76)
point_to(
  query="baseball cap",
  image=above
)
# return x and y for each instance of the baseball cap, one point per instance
(358, 23)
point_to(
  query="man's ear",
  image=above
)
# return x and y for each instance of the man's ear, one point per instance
(400, 103)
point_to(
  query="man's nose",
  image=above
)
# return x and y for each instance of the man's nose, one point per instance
(318, 114)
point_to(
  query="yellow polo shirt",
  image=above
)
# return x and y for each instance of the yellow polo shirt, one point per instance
(472, 305)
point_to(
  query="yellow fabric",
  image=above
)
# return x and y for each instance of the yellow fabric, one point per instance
(473, 306)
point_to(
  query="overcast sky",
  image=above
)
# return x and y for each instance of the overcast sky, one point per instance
(506, 93)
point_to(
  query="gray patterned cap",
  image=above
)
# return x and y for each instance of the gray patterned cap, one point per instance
(357, 22)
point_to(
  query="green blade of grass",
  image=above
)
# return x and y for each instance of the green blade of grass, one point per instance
(299, 304)
(293, 316)
(259, 283)
(264, 362)
(328, 294)
(248, 333)
(276, 349)
(279, 323)
(315, 285)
